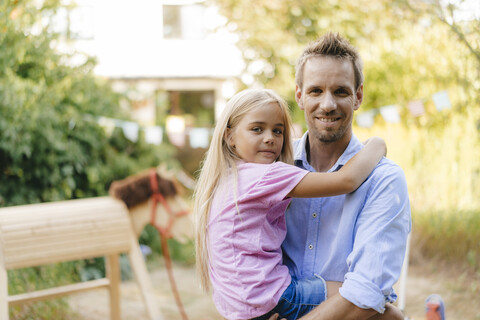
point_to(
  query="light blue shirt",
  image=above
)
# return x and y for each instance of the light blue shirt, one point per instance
(358, 239)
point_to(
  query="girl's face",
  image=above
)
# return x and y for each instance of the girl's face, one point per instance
(259, 136)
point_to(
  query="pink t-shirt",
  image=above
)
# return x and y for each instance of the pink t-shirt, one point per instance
(245, 257)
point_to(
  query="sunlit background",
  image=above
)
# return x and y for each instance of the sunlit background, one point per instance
(93, 91)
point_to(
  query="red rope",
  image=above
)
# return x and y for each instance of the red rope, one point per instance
(165, 233)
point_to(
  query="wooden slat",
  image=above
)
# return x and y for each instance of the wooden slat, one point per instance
(61, 235)
(44, 210)
(44, 257)
(57, 292)
(90, 234)
(112, 265)
(3, 292)
(58, 219)
(141, 275)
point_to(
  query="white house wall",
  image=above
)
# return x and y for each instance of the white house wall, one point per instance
(128, 43)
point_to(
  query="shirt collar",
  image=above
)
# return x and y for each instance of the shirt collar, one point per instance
(300, 155)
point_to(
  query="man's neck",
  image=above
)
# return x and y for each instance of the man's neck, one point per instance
(322, 156)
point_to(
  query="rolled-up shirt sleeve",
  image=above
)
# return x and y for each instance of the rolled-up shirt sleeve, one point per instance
(380, 238)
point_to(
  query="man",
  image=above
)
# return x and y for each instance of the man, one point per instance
(357, 239)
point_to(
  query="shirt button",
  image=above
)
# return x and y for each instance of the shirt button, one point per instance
(314, 215)
(310, 246)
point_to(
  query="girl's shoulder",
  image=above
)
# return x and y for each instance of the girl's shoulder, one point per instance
(260, 169)
(263, 166)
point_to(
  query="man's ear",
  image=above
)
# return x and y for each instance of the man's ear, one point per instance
(298, 97)
(359, 97)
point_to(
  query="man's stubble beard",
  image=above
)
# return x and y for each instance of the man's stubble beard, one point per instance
(330, 137)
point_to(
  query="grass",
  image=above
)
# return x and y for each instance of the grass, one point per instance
(38, 278)
(452, 237)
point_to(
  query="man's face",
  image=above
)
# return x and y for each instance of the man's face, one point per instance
(328, 98)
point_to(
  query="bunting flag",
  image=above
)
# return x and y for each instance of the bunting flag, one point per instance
(177, 138)
(441, 100)
(416, 108)
(130, 130)
(365, 119)
(199, 137)
(390, 114)
(154, 135)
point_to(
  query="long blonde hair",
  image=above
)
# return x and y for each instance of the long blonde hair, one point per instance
(220, 158)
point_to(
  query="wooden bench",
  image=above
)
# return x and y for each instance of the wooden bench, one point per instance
(38, 234)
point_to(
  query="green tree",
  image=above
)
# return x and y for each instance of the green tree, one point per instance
(407, 54)
(51, 146)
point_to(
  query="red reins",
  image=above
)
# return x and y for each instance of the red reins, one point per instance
(165, 234)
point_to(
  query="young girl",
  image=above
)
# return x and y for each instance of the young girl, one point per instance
(244, 187)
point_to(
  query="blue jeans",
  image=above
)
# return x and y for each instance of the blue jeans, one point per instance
(299, 298)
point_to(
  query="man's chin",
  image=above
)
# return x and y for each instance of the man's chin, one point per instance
(330, 138)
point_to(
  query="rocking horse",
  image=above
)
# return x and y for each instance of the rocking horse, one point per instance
(154, 197)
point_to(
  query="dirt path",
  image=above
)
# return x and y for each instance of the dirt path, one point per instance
(461, 294)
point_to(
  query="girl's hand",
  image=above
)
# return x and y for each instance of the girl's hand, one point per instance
(275, 317)
(378, 142)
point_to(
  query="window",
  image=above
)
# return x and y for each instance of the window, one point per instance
(184, 22)
(197, 106)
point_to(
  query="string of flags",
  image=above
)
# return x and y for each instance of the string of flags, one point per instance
(176, 131)
(391, 113)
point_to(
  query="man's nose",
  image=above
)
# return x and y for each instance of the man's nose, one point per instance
(328, 103)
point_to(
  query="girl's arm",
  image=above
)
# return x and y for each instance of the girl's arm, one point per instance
(345, 180)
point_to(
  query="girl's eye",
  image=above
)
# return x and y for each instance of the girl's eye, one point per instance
(278, 131)
(257, 129)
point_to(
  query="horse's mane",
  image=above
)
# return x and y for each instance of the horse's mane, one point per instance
(136, 189)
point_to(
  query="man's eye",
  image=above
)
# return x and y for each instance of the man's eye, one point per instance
(342, 92)
(316, 91)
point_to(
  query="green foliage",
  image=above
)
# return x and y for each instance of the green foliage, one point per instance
(408, 52)
(51, 145)
(38, 278)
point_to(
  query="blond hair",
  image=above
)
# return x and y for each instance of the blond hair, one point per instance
(221, 157)
(330, 45)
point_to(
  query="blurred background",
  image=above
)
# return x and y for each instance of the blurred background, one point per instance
(94, 91)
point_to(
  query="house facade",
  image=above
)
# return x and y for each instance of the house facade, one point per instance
(173, 58)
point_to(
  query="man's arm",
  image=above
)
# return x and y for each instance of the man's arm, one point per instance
(376, 259)
(337, 307)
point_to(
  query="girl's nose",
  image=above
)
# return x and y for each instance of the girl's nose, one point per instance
(268, 138)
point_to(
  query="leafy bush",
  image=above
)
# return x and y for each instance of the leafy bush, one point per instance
(51, 146)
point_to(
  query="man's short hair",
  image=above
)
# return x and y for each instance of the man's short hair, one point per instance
(333, 45)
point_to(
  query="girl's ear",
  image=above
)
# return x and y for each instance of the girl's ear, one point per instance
(228, 137)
